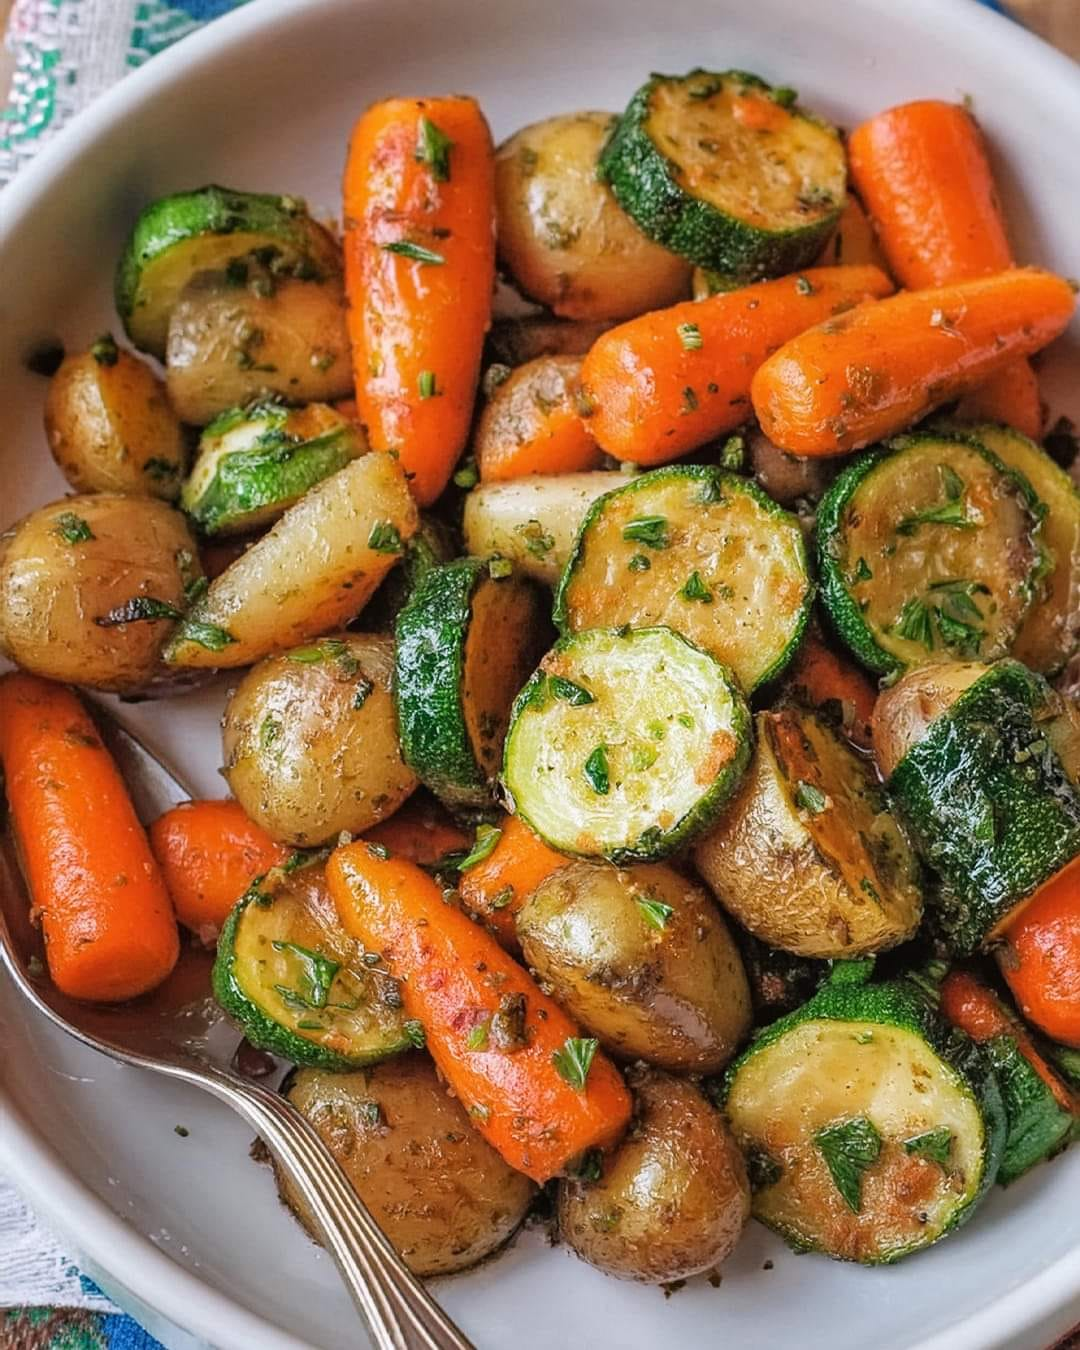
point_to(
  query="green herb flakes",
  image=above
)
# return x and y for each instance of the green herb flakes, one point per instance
(689, 336)
(384, 538)
(487, 836)
(596, 771)
(405, 248)
(849, 1147)
(652, 531)
(433, 149)
(72, 529)
(655, 912)
(934, 1145)
(573, 1061)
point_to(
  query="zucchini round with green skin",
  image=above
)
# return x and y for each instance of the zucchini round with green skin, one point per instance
(175, 237)
(929, 550)
(871, 1127)
(1050, 634)
(1039, 1127)
(295, 982)
(254, 463)
(625, 744)
(807, 856)
(702, 551)
(465, 644)
(727, 171)
(990, 795)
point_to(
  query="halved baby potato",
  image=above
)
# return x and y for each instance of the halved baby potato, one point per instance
(807, 856)
(642, 959)
(310, 740)
(110, 426)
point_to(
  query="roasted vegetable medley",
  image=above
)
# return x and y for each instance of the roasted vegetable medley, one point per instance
(655, 781)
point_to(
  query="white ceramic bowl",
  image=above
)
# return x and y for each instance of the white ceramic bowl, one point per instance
(187, 1231)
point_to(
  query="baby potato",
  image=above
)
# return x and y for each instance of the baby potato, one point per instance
(513, 341)
(642, 958)
(533, 423)
(787, 478)
(904, 712)
(229, 344)
(563, 237)
(439, 1191)
(807, 855)
(673, 1198)
(90, 586)
(310, 740)
(110, 426)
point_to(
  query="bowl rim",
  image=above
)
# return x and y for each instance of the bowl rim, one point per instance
(93, 1227)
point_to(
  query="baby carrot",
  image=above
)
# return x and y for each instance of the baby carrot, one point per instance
(534, 423)
(497, 887)
(973, 1007)
(866, 375)
(420, 831)
(854, 241)
(822, 678)
(419, 272)
(923, 172)
(535, 1089)
(209, 853)
(109, 928)
(671, 380)
(1040, 956)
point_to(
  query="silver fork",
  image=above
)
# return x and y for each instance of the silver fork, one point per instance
(172, 1032)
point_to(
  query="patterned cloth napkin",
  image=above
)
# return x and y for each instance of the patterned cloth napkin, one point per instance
(65, 53)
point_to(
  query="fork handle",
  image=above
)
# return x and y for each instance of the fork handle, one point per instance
(397, 1310)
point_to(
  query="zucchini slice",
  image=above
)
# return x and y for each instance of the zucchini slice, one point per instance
(465, 645)
(872, 1128)
(295, 982)
(929, 550)
(207, 230)
(254, 462)
(807, 856)
(625, 744)
(1039, 1126)
(533, 521)
(701, 551)
(990, 797)
(1050, 634)
(727, 171)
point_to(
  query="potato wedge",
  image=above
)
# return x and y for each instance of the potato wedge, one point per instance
(90, 588)
(110, 426)
(310, 740)
(231, 344)
(308, 575)
(642, 959)
(439, 1192)
(673, 1198)
(807, 855)
(562, 235)
(533, 521)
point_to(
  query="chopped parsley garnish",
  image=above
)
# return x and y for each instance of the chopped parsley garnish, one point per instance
(105, 351)
(573, 1061)
(537, 540)
(433, 148)
(467, 476)
(425, 384)
(72, 529)
(810, 797)
(364, 690)
(862, 572)
(596, 771)
(269, 731)
(652, 531)
(935, 1145)
(207, 635)
(384, 537)
(316, 975)
(414, 1034)
(566, 691)
(914, 624)
(500, 568)
(140, 608)
(689, 336)
(731, 456)
(502, 898)
(784, 95)
(849, 1147)
(638, 563)
(405, 248)
(695, 589)
(655, 912)
(952, 511)
(487, 836)
(477, 1039)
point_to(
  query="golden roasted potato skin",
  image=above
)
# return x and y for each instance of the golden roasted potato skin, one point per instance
(903, 712)
(673, 1197)
(52, 592)
(840, 883)
(227, 346)
(301, 758)
(562, 235)
(439, 1191)
(675, 995)
(111, 428)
